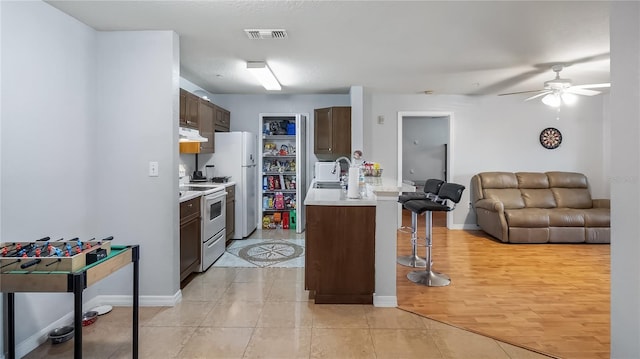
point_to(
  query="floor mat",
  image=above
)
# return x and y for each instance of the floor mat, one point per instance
(251, 253)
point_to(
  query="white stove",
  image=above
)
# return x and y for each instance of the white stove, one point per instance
(213, 213)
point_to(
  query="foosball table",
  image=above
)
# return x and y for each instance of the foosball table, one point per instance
(64, 266)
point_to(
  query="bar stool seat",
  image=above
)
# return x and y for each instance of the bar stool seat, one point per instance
(451, 192)
(431, 188)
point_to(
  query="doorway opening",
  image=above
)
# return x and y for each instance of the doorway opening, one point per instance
(424, 150)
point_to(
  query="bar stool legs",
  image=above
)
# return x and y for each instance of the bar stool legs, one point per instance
(413, 260)
(428, 277)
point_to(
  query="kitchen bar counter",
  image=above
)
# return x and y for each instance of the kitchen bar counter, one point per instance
(382, 198)
(376, 186)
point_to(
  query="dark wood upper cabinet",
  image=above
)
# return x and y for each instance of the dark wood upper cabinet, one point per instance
(204, 116)
(223, 120)
(188, 109)
(183, 108)
(206, 112)
(332, 131)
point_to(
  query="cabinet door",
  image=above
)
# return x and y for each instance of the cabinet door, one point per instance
(206, 119)
(231, 220)
(339, 257)
(323, 131)
(183, 108)
(341, 127)
(189, 247)
(223, 118)
(191, 110)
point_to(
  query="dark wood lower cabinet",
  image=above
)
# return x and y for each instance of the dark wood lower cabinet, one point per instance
(231, 213)
(190, 243)
(340, 258)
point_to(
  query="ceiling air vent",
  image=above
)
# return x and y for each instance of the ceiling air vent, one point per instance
(262, 34)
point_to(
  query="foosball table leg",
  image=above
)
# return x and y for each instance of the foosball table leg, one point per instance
(78, 287)
(11, 302)
(136, 293)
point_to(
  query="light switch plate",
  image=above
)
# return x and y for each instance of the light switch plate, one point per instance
(153, 169)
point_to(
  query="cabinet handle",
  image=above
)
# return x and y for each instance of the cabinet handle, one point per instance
(190, 205)
(329, 148)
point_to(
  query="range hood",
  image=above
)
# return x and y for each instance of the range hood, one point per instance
(191, 135)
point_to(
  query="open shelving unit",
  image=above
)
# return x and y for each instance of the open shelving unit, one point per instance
(282, 166)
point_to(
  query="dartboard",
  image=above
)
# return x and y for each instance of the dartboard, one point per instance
(550, 138)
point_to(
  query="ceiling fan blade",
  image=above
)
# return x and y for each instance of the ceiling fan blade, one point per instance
(580, 91)
(592, 86)
(519, 92)
(538, 95)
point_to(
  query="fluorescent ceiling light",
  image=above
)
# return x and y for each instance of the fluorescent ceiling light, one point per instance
(263, 73)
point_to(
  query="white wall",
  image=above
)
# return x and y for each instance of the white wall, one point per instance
(624, 175)
(48, 86)
(83, 113)
(136, 122)
(497, 134)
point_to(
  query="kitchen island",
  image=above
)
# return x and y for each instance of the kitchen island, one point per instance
(351, 244)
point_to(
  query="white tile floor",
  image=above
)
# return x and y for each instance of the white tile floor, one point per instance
(266, 313)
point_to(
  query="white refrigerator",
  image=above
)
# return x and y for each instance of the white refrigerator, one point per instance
(236, 156)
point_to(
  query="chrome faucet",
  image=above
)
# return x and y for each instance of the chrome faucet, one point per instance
(337, 163)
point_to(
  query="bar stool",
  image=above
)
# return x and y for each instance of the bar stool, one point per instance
(431, 189)
(448, 191)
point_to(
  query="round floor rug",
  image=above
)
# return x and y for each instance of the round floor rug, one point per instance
(270, 252)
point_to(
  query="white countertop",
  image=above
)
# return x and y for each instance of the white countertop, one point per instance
(376, 186)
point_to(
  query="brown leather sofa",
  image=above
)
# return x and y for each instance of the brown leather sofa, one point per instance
(550, 207)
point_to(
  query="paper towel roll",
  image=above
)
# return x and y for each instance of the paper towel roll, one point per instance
(352, 190)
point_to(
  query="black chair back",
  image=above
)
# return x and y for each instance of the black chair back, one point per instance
(432, 186)
(451, 191)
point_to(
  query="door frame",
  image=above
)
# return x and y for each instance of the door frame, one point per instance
(449, 160)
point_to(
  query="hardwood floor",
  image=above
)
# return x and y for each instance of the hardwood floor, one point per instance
(550, 298)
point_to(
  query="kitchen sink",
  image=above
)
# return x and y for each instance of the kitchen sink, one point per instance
(327, 185)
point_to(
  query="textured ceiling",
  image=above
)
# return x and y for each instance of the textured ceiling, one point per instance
(453, 47)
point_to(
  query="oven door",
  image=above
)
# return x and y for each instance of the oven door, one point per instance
(213, 214)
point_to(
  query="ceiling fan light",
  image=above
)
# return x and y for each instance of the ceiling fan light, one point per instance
(552, 100)
(569, 98)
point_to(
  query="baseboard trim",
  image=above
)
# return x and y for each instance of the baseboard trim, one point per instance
(145, 300)
(388, 301)
(28, 345)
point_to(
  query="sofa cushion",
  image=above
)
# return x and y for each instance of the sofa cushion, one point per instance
(527, 217)
(510, 197)
(567, 180)
(498, 180)
(566, 217)
(538, 198)
(572, 197)
(597, 217)
(532, 180)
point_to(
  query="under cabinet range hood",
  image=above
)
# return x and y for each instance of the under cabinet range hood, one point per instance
(191, 135)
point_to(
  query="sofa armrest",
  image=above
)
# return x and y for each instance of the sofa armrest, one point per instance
(601, 203)
(490, 205)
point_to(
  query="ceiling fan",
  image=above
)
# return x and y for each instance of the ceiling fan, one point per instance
(560, 91)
